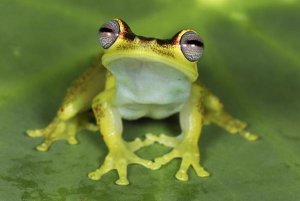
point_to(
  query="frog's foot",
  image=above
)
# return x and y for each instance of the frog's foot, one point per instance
(230, 124)
(57, 129)
(235, 126)
(119, 159)
(183, 148)
(61, 129)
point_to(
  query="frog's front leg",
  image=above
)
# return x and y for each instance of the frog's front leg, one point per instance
(121, 153)
(186, 145)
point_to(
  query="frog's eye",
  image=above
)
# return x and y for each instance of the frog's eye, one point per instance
(191, 46)
(108, 33)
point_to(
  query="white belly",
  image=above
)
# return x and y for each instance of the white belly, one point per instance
(148, 89)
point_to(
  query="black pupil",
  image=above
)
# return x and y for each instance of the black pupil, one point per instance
(105, 29)
(195, 42)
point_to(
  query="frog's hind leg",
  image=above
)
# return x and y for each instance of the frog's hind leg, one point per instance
(73, 114)
(215, 113)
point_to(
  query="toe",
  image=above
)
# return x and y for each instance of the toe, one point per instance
(200, 171)
(248, 136)
(94, 175)
(72, 140)
(43, 147)
(122, 181)
(151, 137)
(182, 175)
(34, 133)
(167, 158)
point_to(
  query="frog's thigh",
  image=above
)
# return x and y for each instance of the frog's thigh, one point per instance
(121, 153)
(80, 94)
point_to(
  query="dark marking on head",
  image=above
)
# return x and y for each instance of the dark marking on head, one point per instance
(129, 36)
(143, 38)
(174, 39)
(127, 33)
(164, 41)
(160, 51)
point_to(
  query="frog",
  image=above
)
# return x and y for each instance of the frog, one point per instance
(136, 77)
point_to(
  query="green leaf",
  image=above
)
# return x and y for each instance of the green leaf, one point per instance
(251, 62)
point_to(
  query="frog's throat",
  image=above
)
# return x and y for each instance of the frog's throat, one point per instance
(190, 71)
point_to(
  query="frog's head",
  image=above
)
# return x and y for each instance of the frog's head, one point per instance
(180, 52)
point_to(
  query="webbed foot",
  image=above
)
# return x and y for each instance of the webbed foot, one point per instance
(235, 126)
(61, 129)
(119, 158)
(231, 125)
(183, 148)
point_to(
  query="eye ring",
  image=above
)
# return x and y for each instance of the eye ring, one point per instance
(108, 33)
(191, 46)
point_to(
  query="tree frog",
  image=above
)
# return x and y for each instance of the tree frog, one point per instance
(137, 77)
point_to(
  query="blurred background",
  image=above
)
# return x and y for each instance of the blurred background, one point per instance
(251, 61)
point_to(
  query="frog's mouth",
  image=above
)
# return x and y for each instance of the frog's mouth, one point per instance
(120, 59)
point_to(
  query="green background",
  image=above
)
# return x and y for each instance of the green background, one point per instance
(251, 62)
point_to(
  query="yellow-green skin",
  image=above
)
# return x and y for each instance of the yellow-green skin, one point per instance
(98, 89)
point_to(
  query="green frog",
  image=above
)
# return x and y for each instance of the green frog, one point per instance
(137, 77)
